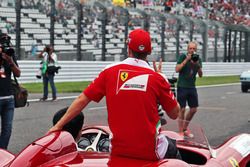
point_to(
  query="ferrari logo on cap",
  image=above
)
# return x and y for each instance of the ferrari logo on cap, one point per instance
(141, 47)
(124, 76)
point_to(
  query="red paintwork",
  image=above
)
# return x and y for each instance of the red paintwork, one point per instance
(45, 149)
(59, 149)
(5, 157)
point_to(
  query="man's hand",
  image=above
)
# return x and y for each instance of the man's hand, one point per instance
(196, 63)
(158, 69)
(189, 56)
(54, 128)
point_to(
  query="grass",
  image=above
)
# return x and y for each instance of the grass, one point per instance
(62, 87)
(76, 87)
(217, 80)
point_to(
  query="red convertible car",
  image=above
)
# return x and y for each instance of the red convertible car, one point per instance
(59, 149)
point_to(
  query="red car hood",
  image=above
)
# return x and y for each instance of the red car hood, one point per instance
(94, 159)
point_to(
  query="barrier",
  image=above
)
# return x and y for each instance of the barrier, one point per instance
(88, 70)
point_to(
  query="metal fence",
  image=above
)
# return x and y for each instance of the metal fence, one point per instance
(97, 30)
(88, 70)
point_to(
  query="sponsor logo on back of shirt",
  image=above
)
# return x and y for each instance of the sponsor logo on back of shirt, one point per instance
(132, 80)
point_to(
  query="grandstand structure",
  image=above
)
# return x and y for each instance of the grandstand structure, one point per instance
(104, 29)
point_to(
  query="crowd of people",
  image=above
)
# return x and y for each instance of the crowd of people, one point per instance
(226, 11)
(65, 9)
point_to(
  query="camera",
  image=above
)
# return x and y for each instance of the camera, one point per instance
(195, 57)
(47, 48)
(5, 44)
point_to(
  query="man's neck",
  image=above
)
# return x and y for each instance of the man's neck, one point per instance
(143, 59)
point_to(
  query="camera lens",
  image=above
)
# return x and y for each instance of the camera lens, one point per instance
(195, 57)
(9, 51)
(6, 45)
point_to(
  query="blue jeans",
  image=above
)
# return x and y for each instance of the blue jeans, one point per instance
(48, 79)
(7, 113)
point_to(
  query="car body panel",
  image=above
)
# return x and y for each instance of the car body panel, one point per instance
(245, 81)
(245, 76)
(5, 157)
(59, 149)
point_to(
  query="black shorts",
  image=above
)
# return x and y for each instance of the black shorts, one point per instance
(187, 95)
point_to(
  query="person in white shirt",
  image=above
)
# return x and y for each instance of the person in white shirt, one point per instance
(49, 60)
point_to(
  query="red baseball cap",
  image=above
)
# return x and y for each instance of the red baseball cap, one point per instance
(139, 41)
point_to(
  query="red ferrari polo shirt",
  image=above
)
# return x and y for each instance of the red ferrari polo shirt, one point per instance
(132, 91)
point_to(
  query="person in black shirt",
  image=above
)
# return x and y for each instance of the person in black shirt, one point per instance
(8, 65)
(74, 126)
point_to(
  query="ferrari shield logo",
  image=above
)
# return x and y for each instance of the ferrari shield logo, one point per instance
(233, 162)
(124, 76)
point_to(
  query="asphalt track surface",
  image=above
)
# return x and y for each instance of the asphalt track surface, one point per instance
(224, 111)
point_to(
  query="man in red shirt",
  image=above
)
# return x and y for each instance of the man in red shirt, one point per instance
(132, 89)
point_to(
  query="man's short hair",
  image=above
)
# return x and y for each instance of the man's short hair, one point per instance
(139, 55)
(192, 43)
(74, 126)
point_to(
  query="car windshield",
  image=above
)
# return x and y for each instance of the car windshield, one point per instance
(170, 129)
(199, 139)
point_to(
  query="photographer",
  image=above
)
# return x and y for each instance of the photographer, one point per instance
(8, 65)
(49, 68)
(188, 65)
